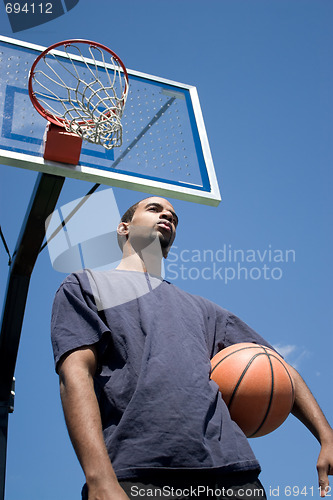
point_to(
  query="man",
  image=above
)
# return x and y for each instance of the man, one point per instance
(133, 356)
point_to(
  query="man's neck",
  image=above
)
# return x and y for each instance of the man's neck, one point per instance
(147, 260)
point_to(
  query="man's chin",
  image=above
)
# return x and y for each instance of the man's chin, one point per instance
(166, 244)
(164, 240)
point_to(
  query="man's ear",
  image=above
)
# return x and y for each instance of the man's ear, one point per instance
(122, 229)
(122, 234)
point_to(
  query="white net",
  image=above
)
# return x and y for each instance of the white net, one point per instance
(84, 89)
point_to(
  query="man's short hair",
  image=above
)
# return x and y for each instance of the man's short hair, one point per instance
(128, 215)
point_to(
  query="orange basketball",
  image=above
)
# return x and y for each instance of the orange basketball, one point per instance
(256, 385)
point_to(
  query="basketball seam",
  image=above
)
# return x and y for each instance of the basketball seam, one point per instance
(233, 352)
(241, 378)
(270, 398)
(290, 379)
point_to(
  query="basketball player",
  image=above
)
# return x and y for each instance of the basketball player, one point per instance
(133, 356)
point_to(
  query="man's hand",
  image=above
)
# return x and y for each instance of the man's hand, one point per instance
(325, 465)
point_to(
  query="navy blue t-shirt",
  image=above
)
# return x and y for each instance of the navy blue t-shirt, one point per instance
(158, 405)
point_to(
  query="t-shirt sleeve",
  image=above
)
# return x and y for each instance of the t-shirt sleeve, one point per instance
(232, 330)
(75, 320)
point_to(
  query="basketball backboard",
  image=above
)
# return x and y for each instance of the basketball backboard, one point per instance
(165, 150)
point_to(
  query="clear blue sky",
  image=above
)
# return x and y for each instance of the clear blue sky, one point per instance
(263, 70)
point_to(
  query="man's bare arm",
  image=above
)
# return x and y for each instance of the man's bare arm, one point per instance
(84, 425)
(307, 410)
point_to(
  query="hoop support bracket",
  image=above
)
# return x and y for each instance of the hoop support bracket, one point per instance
(61, 146)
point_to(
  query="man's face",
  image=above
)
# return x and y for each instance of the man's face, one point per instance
(154, 218)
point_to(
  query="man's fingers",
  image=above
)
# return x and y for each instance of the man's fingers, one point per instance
(323, 471)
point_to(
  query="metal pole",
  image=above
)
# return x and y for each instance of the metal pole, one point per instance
(44, 198)
(3, 446)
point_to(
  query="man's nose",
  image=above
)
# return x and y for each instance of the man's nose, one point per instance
(166, 214)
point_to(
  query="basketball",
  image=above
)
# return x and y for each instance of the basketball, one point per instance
(256, 385)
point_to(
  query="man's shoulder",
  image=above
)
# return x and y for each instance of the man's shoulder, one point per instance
(77, 283)
(73, 279)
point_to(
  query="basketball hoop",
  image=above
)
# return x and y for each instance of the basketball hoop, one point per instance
(83, 89)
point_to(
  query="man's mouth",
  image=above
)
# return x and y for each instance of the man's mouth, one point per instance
(165, 225)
